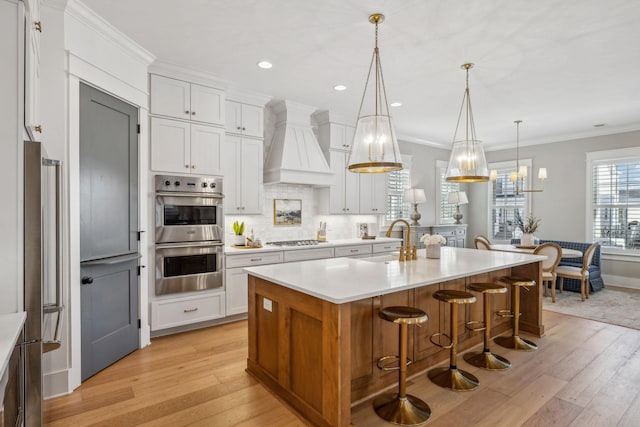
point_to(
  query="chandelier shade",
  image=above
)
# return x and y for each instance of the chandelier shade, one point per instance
(467, 162)
(374, 148)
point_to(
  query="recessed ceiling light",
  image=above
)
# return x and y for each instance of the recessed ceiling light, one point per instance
(396, 104)
(339, 87)
(599, 125)
(265, 64)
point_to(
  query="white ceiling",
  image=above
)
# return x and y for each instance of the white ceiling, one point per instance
(561, 66)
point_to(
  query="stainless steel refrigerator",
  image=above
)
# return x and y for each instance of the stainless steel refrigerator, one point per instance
(42, 272)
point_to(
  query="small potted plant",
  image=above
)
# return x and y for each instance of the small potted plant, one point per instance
(432, 244)
(238, 233)
(528, 226)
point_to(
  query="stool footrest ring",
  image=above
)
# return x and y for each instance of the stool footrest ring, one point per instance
(469, 326)
(505, 313)
(439, 334)
(385, 361)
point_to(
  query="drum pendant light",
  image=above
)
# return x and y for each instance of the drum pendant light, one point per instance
(375, 148)
(467, 162)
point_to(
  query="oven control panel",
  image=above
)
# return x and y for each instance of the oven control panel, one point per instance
(188, 184)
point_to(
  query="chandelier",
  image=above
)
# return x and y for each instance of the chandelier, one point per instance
(518, 176)
(467, 162)
(375, 148)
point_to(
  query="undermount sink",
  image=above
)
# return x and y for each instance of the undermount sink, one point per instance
(386, 258)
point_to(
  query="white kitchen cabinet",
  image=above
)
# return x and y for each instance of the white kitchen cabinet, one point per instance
(184, 147)
(187, 101)
(335, 136)
(373, 193)
(237, 281)
(242, 169)
(33, 29)
(308, 254)
(169, 313)
(344, 188)
(244, 119)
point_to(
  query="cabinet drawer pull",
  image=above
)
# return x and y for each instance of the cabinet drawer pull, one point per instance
(255, 259)
(354, 250)
(38, 128)
(38, 26)
(190, 310)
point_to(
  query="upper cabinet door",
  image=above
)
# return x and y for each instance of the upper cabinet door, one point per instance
(33, 29)
(170, 145)
(206, 149)
(252, 121)
(170, 97)
(207, 105)
(233, 118)
(245, 119)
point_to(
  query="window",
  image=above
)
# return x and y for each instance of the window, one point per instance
(397, 182)
(613, 193)
(504, 202)
(444, 211)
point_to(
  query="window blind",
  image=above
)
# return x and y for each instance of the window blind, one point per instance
(616, 202)
(445, 187)
(397, 182)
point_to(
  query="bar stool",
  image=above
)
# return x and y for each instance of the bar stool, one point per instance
(401, 408)
(514, 341)
(452, 377)
(486, 359)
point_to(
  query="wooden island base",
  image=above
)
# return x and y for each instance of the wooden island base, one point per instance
(320, 357)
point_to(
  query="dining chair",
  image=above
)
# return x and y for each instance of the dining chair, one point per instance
(553, 252)
(482, 242)
(579, 273)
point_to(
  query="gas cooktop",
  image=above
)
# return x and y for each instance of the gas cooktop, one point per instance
(309, 242)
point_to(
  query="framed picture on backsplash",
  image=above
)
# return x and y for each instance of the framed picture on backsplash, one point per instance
(287, 211)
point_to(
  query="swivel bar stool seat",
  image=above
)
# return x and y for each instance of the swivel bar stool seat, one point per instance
(401, 408)
(486, 359)
(452, 377)
(514, 341)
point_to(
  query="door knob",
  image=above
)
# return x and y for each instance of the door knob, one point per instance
(86, 280)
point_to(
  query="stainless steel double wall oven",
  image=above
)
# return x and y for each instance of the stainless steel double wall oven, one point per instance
(189, 234)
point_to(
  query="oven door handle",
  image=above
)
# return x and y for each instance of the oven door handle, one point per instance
(187, 245)
(202, 195)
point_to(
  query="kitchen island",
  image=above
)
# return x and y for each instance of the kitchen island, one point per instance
(314, 333)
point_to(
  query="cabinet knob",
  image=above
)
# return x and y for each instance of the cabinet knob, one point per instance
(38, 26)
(38, 128)
(244, 128)
(238, 127)
(193, 113)
(86, 280)
(193, 166)
(186, 111)
(186, 166)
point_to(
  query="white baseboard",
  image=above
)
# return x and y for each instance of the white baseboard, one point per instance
(55, 384)
(621, 281)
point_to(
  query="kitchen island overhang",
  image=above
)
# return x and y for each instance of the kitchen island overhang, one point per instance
(314, 334)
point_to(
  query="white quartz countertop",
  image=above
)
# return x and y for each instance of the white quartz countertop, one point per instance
(10, 327)
(330, 244)
(342, 280)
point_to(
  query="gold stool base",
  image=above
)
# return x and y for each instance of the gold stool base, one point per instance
(516, 343)
(453, 378)
(406, 411)
(487, 360)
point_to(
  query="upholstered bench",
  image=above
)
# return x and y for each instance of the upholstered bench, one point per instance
(595, 277)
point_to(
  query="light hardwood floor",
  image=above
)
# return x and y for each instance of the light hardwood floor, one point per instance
(585, 373)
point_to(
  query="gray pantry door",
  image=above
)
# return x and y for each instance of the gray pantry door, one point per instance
(108, 229)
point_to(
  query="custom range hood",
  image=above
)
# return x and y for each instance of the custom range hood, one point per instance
(295, 156)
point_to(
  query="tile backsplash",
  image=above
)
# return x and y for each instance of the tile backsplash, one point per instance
(338, 226)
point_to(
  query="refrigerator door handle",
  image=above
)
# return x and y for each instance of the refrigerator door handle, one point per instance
(112, 260)
(57, 307)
